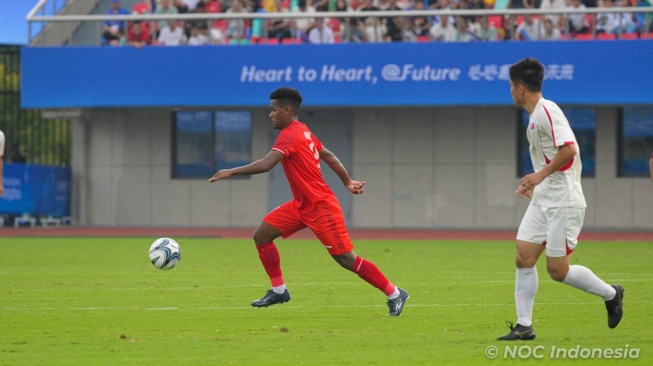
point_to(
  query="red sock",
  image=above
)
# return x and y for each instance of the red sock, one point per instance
(371, 274)
(269, 255)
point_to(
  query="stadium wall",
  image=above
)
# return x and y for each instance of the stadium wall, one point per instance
(425, 167)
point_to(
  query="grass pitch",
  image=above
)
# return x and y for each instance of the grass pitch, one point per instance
(98, 301)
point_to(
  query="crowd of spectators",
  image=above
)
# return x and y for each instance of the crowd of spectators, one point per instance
(492, 27)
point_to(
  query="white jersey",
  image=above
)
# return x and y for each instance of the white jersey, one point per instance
(547, 130)
(2, 143)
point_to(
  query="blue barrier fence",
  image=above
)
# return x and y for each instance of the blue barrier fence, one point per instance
(36, 190)
(397, 74)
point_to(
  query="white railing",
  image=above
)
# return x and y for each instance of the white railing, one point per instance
(511, 14)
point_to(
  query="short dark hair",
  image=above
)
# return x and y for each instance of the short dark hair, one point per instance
(288, 96)
(529, 72)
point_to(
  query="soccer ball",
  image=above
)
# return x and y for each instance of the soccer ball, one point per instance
(165, 253)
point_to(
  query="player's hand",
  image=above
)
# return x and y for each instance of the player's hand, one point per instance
(221, 174)
(524, 192)
(355, 187)
(531, 180)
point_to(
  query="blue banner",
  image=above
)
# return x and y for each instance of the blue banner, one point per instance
(392, 74)
(36, 190)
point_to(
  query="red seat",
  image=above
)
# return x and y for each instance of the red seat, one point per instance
(271, 41)
(628, 36)
(648, 36)
(584, 37)
(422, 38)
(291, 41)
(606, 36)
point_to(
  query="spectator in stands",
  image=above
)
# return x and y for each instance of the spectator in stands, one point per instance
(321, 5)
(16, 155)
(2, 153)
(463, 34)
(201, 24)
(530, 29)
(279, 28)
(235, 27)
(383, 4)
(353, 33)
(301, 26)
(626, 21)
(421, 24)
(172, 34)
(551, 32)
(216, 36)
(641, 18)
(375, 30)
(197, 37)
(366, 5)
(443, 31)
(138, 35)
(165, 7)
(186, 6)
(406, 25)
(341, 5)
(486, 31)
(393, 25)
(521, 4)
(559, 21)
(614, 22)
(321, 34)
(578, 23)
(114, 30)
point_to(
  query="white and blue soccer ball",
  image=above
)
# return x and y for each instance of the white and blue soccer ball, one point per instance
(165, 253)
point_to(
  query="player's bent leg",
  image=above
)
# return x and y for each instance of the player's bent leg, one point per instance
(367, 271)
(584, 279)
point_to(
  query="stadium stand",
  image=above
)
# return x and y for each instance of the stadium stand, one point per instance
(503, 22)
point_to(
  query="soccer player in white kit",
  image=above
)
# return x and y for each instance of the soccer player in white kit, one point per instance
(555, 214)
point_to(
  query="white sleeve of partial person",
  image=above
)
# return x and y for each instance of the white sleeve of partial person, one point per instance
(2, 144)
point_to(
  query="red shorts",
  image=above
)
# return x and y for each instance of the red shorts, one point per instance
(325, 220)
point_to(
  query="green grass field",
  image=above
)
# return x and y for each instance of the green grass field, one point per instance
(98, 301)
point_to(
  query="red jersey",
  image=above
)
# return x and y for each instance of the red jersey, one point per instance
(301, 163)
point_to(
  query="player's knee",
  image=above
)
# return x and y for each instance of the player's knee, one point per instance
(522, 261)
(261, 238)
(557, 274)
(345, 261)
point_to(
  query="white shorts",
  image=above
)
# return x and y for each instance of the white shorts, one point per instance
(557, 228)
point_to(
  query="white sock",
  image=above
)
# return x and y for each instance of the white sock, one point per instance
(525, 289)
(394, 295)
(279, 289)
(584, 279)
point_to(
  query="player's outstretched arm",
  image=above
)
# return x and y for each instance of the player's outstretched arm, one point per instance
(334, 163)
(260, 166)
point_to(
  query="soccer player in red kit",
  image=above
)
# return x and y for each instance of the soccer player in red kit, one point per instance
(314, 205)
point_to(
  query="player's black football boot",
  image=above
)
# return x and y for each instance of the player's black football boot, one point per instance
(518, 333)
(615, 307)
(396, 305)
(271, 298)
